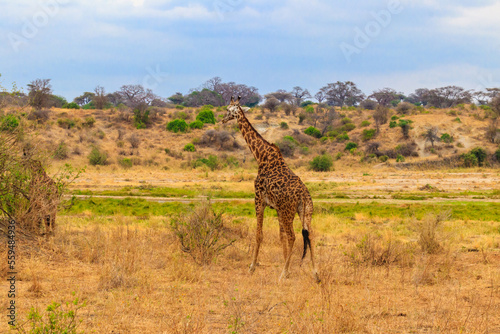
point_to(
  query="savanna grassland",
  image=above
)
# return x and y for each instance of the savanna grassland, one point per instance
(407, 247)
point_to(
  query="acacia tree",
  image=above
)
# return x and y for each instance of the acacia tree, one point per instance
(100, 98)
(449, 96)
(281, 95)
(385, 96)
(299, 94)
(136, 97)
(431, 134)
(40, 92)
(84, 99)
(341, 93)
(249, 95)
(272, 104)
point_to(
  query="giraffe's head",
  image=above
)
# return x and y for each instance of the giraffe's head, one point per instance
(233, 110)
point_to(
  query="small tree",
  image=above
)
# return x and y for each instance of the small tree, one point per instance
(322, 163)
(40, 92)
(431, 135)
(100, 98)
(272, 104)
(380, 116)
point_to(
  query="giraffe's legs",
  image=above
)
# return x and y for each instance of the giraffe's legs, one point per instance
(287, 225)
(315, 271)
(259, 209)
(306, 218)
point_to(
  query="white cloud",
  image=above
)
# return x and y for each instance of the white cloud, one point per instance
(478, 21)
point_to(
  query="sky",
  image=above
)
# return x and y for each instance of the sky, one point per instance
(174, 46)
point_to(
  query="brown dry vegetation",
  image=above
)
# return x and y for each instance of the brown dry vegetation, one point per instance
(375, 279)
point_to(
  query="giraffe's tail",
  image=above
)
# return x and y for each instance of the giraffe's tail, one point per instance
(307, 242)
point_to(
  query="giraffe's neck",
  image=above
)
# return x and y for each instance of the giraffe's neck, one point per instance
(258, 145)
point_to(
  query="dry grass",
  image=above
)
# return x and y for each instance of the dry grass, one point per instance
(375, 279)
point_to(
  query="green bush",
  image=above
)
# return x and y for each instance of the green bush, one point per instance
(393, 124)
(446, 138)
(394, 118)
(66, 123)
(313, 132)
(368, 134)
(302, 117)
(97, 157)
(9, 123)
(126, 163)
(365, 123)
(177, 125)
(322, 163)
(480, 154)
(179, 107)
(485, 107)
(206, 116)
(497, 155)
(346, 120)
(71, 105)
(342, 137)
(347, 127)
(89, 122)
(291, 139)
(284, 125)
(309, 109)
(350, 145)
(196, 125)
(470, 160)
(212, 162)
(383, 158)
(141, 120)
(400, 158)
(189, 148)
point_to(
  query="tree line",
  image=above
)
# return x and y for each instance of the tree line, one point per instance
(218, 93)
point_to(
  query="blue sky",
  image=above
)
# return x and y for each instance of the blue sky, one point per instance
(172, 46)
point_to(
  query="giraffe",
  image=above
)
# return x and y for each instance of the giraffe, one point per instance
(279, 188)
(43, 195)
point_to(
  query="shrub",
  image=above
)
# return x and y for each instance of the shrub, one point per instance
(189, 147)
(89, 122)
(347, 127)
(66, 123)
(383, 158)
(400, 158)
(368, 134)
(368, 104)
(287, 146)
(126, 163)
(206, 116)
(61, 151)
(221, 140)
(342, 137)
(497, 155)
(71, 105)
(404, 107)
(201, 233)
(365, 123)
(134, 141)
(393, 124)
(284, 125)
(177, 125)
(302, 117)
(179, 107)
(39, 115)
(212, 162)
(470, 160)
(322, 163)
(346, 120)
(196, 125)
(309, 109)
(446, 138)
(350, 145)
(480, 154)
(9, 123)
(59, 318)
(97, 157)
(180, 115)
(141, 119)
(313, 132)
